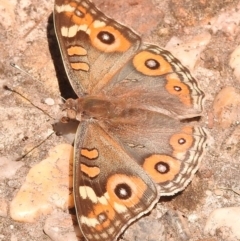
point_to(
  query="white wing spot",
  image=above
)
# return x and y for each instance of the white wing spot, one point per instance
(64, 31)
(98, 24)
(64, 8)
(72, 31)
(87, 192)
(90, 222)
(119, 208)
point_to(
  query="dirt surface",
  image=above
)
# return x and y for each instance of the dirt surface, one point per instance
(27, 39)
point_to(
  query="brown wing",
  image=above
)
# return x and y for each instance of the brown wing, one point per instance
(110, 189)
(155, 80)
(93, 46)
(168, 150)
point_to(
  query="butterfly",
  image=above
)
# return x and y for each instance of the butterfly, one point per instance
(131, 145)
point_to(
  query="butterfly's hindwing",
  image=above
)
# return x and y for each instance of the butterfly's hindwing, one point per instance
(110, 189)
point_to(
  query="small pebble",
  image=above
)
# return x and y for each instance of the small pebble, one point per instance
(208, 193)
(59, 227)
(192, 218)
(226, 107)
(225, 219)
(49, 101)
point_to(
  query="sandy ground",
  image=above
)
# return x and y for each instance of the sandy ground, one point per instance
(27, 38)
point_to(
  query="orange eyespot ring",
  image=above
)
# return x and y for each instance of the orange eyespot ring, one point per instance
(176, 87)
(161, 168)
(108, 39)
(125, 190)
(151, 64)
(181, 142)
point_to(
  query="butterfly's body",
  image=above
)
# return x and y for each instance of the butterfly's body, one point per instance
(130, 146)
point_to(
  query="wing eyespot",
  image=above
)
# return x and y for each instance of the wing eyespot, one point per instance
(106, 37)
(177, 88)
(123, 191)
(181, 141)
(152, 64)
(162, 167)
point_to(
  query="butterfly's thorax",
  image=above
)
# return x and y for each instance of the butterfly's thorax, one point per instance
(94, 107)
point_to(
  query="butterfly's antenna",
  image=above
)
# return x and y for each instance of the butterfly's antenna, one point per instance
(39, 144)
(25, 98)
(25, 72)
(17, 92)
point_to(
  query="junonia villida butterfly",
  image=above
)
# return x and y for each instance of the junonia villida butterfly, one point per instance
(131, 146)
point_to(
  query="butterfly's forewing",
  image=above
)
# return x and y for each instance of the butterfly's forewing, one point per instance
(92, 45)
(111, 190)
(155, 80)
